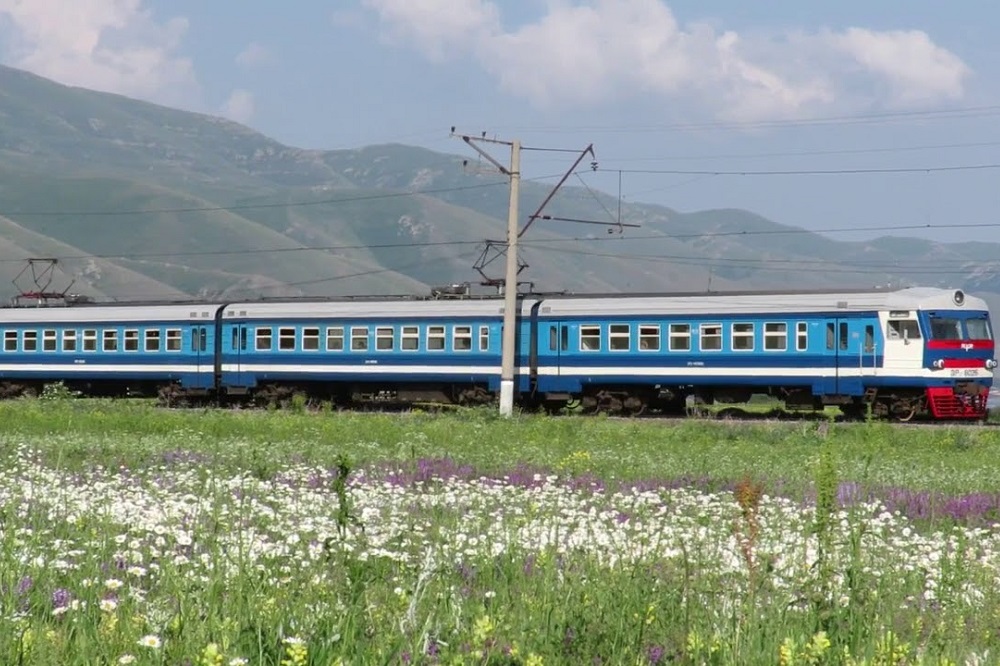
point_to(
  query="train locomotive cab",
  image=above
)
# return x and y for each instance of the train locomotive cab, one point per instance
(959, 353)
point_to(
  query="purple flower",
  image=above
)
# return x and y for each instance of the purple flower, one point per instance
(654, 654)
(24, 585)
(61, 598)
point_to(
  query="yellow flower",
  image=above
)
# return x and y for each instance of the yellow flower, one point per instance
(296, 652)
(482, 629)
(210, 656)
(786, 653)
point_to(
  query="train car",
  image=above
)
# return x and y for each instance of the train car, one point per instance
(904, 352)
(387, 351)
(108, 350)
(900, 353)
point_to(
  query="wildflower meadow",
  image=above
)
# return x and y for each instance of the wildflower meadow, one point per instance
(131, 535)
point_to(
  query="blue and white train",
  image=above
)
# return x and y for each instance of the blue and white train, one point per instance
(902, 352)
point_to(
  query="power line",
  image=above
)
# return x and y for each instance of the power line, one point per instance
(533, 242)
(374, 271)
(237, 207)
(808, 172)
(276, 250)
(724, 263)
(770, 232)
(806, 153)
(857, 119)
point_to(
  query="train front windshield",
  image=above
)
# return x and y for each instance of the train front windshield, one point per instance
(954, 328)
(979, 328)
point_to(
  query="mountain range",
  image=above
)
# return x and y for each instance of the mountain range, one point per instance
(139, 201)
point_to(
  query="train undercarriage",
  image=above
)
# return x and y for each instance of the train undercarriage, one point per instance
(964, 401)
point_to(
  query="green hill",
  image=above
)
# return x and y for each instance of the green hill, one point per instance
(143, 201)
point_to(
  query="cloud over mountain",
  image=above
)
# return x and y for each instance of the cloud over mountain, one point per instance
(580, 52)
(110, 45)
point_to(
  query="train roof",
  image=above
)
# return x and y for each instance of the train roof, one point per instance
(911, 298)
(181, 312)
(554, 305)
(368, 308)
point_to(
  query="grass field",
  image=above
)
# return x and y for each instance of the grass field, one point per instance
(135, 535)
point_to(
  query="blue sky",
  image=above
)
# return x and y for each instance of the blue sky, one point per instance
(683, 85)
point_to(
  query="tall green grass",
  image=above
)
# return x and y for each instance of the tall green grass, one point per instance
(135, 535)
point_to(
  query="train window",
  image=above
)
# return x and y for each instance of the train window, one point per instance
(843, 336)
(554, 337)
(110, 341)
(590, 338)
(10, 341)
(484, 338)
(29, 341)
(801, 336)
(869, 338)
(385, 338)
(89, 340)
(680, 337)
(286, 339)
(153, 339)
(978, 329)
(903, 329)
(831, 335)
(775, 336)
(310, 339)
(131, 340)
(462, 338)
(649, 337)
(174, 339)
(262, 339)
(235, 342)
(742, 337)
(69, 340)
(410, 338)
(619, 337)
(943, 328)
(49, 340)
(359, 338)
(710, 337)
(335, 338)
(435, 338)
(202, 340)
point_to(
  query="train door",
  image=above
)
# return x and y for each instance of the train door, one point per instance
(904, 350)
(238, 351)
(203, 358)
(831, 369)
(558, 345)
(868, 350)
(849, 354)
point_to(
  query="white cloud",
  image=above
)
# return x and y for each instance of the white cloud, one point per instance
(438, 27)
(239, 106)
(586, 51)
(254, 54)
(110, 45)
(915, 67)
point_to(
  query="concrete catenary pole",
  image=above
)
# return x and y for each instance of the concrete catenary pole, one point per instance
(510, 287)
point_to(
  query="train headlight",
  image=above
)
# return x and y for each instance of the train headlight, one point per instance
(959, 297)
(990, 364)
(938, 364)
